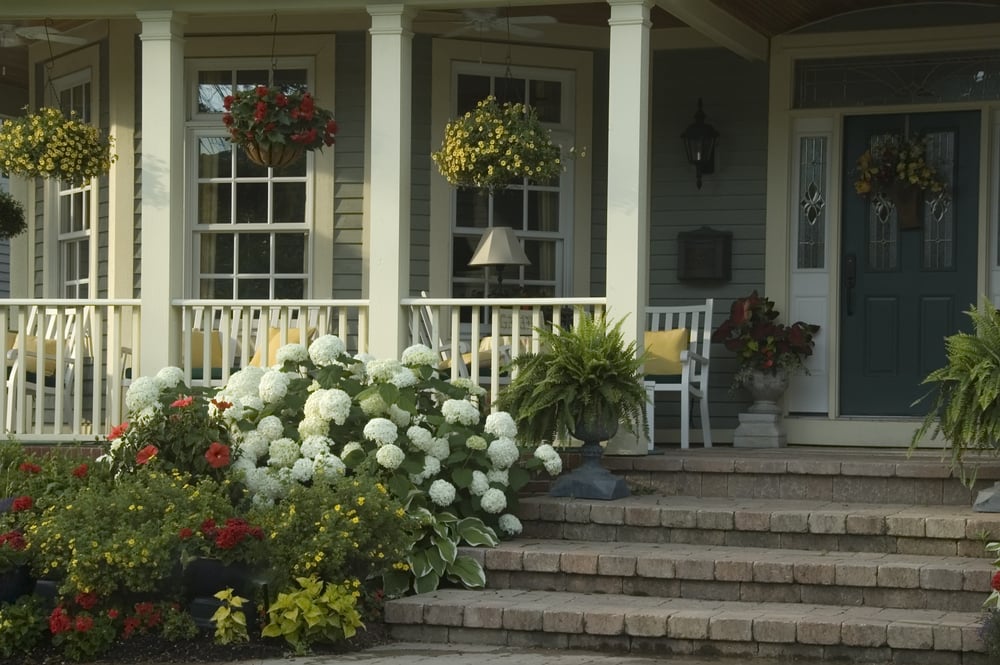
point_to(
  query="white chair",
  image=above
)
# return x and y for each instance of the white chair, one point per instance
(678, 342)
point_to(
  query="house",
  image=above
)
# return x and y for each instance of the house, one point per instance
(180, 233)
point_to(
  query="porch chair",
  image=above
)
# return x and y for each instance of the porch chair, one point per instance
(43, 366)
(678, 341)
(284, 325)
(208, 347)
(425, 327)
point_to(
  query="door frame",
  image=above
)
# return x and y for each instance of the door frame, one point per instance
(801, 293)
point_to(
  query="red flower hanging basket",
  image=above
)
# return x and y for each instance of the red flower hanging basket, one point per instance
(274, 155)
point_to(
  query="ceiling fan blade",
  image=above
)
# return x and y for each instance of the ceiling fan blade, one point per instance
(457, 32)
(10, 39)
(527, 33)
(39, 33)
(525, 20)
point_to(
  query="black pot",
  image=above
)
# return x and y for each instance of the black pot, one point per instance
(15, 583)
(204, 577)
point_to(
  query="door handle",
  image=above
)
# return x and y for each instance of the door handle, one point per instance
(850, 281)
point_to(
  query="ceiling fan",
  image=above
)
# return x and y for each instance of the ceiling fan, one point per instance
(19, 35)
(481, 21)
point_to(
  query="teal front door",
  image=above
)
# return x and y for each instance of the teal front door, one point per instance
(905, 287)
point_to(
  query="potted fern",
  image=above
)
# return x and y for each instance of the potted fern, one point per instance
(966, 405)
(585, 380)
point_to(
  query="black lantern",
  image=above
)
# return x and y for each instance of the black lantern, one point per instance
(699, 144)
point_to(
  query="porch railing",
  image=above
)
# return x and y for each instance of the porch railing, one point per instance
(477, 337)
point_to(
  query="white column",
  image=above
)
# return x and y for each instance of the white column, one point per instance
(162, 186)
(121, 203)
(389, 190)
(628, 164)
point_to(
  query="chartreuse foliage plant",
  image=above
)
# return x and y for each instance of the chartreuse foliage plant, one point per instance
(315, 611)
(230, 619)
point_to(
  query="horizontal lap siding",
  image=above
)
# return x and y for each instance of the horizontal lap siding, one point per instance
(349, 166)
(420, 167)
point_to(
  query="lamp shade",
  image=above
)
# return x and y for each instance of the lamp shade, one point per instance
(499, 247)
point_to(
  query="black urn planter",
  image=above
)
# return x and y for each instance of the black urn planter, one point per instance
(204, 577)
(15, 582)
(591, 480)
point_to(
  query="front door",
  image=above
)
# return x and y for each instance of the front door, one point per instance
(903, 290)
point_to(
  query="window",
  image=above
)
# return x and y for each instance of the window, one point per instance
(539, 213)
(74, 201)
(251, 224)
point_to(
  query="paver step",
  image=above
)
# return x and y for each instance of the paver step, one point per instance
(631, 624)
(939, 530)
(740, 574)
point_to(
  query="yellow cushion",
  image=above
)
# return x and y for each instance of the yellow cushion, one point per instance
(663, 349)
(198, 347)
(29, 348)
(274, 343)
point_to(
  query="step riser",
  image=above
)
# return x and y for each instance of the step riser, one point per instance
(665, 646)
(755, 592)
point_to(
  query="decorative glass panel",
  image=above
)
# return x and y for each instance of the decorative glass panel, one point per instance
(925, 78)
(938, 217)
(883, 234)
(812, 201)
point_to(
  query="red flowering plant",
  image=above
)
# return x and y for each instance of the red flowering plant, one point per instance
(276, 115)
(760, 342)
(232, 540)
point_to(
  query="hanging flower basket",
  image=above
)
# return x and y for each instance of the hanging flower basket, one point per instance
(48, 144)
(276, 127)
(12, 221)
(495, 145)
(897, 167)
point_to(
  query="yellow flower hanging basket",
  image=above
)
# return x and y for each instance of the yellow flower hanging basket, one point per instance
(48, 144)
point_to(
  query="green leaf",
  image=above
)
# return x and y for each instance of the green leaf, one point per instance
(399, 485)
(467, 571)
(388, 392)
(447, 548)
(462, 478)
(517, 478)
(419, 563)
(475, 533)
(435, 560)
(396, 582)
(427, 583)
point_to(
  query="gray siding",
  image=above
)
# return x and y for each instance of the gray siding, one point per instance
(349, 168)
(420, 167)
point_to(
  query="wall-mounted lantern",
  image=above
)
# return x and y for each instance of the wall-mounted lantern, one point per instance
(699, 145)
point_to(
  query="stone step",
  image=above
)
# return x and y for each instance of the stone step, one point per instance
(938, 530)
(666, 626)
(739, 574)
(823, 474)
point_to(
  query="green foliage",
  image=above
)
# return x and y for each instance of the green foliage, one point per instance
(579, 371)
(178, 625)
(965, 410)
(230, 620)
(81, 636)
(12, 220)
(315, 612)
(22, 626)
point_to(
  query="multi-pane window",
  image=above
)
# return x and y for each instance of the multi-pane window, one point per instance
(74, 202)
(535, 211)
(251, 223)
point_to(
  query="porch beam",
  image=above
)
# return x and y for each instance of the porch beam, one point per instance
(162, 181)
(628, 164)
(720, 26)
(389, 177)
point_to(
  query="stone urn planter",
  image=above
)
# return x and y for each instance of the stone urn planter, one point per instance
(766, 388)
(762, 426)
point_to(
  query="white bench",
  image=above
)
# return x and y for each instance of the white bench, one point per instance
(678, 342)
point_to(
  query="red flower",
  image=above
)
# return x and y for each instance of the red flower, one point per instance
(182, 402)
(262, 91)
(59, 621)
(22, 503)
(185, 533)
(227, 102)
(217, 455)
(112, 614)
(221, 405)
(81, 471)
(86, 600)
(995, 582)
(28, 467)
(13, 539)
(227, 120)
(117, 431)
(208, 528)
(84, 623)
(146, 454)
(131, 624)
(280, 100)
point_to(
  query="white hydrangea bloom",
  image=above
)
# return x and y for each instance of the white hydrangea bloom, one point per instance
(170, 377)
(302, 470)
(418, 354)
(373, 405)
(236, 411)
(503, 453)
(261, 501)
(419, 437)
(442, 492)
(283, 452)
(553, 465)
(475, 442)
(315, 445)
(326, 350)
(328, 467)
(273, 386)
(498, 476)
(460, 411)
(510, 525)
(147, 414)
(350, 447)
(545, 451)
(144, 392)
(382, 369)
(260, 481)
(432, 467)
(501, 425)
(381, 431)
(404, 378)
(493, 501)
(440, 449)
(471, 386)
(295, 352)
(398, 416)
(270, 427)
(333, 404)
(243, 465)
(244, 382)
(253, 446)
(390, 456)
(480, 483)
(313, 426)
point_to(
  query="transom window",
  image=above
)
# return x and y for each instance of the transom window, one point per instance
(251, 224)
(539, 213)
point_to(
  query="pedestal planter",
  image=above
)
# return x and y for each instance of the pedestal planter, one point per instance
(763, 425)
(204, 577)
(591, 480)
(15, 583)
